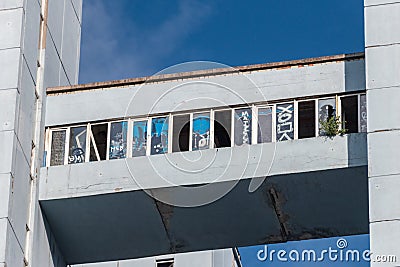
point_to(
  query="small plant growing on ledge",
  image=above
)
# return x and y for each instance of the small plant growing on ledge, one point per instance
(331, 127)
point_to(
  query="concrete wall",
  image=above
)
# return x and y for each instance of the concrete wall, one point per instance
(216, 165)
(206, 92)
(19, 78)
(382, 23)
(213, 258)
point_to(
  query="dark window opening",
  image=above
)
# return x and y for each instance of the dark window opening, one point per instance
(181, 133)
(165, 263)
(98, 142)
(350, 113)
(306, 119)
(222, 128)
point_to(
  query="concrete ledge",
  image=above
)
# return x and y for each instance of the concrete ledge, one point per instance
(208, 166)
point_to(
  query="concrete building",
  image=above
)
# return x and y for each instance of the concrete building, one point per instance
(39, 47)
(186, 165)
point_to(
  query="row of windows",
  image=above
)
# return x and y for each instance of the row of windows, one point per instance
(214, 128)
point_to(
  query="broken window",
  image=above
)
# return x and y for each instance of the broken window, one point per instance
(118, 139)
(349, 114)
(284, 122)
(264, 125)
(326, 110)
(139, 142)
(181, 133)
(77, 145)
(201, 131)
(222, 128)
(165, 263)
(306, 119)
(243, 126)
(159, 135)
(363, 113)
(57, 147)
(98, 142)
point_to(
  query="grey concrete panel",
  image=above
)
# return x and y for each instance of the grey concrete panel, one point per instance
(11, 28)
(26, 111)
(383, 153)
(205, 92)
(55, 22)
(10, 252)
(20, 194)
(384, 109)
(312, 205)
(145, 262)
(3, 239)
(384, 241)
(78, 8)
(52, 65)
(8, 4)
(354, 75)
(71, 43)
(383, 194)
(7, 144)
(46, 252)
(227, 164)
(31, 35)
(9, 111)
(382, 24)
(5, 188)
(9, 75)
(383, 66)
(379, 2)
(63, 77)
(203, 258)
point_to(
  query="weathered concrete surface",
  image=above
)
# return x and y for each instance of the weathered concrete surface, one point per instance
(320, 194)
(286, 207)
(207, 91)
(213, 165)
(382, 20)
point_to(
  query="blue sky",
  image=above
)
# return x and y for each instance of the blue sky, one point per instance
(126, 39)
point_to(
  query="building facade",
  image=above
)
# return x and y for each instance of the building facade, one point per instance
(196, 161)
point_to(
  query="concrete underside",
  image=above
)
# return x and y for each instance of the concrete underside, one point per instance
(287, 207)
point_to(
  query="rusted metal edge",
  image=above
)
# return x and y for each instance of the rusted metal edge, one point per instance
(202, 73)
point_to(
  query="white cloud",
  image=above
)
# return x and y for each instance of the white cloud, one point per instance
(114, 48)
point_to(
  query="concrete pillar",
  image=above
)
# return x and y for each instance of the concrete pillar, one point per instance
(382, 47)
(22, 87)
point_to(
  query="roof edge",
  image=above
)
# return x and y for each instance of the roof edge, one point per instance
(201, 73)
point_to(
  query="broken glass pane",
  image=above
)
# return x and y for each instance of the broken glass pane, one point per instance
(243, 126)
(201, 131)
(264, 125)
(139, 143)
(77, 145)
(326, 110)
(159, 135)
(118, 139)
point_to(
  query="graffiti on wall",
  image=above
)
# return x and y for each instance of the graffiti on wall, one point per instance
(284, 122)
(242, 126)
(159, 135)
(139, 142)
(118, 139)
(201, 131)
